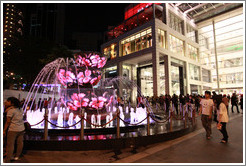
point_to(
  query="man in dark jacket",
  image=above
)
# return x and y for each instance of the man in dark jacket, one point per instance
(234, 102)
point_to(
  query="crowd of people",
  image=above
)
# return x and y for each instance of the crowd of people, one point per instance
(207, 105)
(165, 101)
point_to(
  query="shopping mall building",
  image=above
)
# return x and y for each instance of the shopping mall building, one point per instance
(180, 48)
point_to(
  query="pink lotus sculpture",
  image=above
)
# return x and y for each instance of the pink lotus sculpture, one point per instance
(84, 74)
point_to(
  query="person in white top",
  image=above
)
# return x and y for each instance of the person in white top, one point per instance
(222, 118)
(206, 109)
(16, 129)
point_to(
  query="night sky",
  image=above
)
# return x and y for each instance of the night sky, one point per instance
(93, 17)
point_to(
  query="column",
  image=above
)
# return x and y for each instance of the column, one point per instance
(168, 79)
(156, 73)
(187, 77)
(119, 73)
(165, 17)
(216, 58)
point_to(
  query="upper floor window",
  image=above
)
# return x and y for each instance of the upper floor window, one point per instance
(191, 33)
(176, 45)
(110, 51)
(193, 53)
(136, 42)
(176, 23)
(162, 38)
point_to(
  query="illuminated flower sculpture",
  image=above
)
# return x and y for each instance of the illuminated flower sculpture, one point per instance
(80, 77)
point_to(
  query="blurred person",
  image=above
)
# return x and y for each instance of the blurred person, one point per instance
(225, 100)
(222, 118)
(241, 102)
(14, 128)
(175, 103)
(234, 102)
(206, 109)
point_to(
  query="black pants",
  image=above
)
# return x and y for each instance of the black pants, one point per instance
(223, 131)
(233, 106)
(206, 123)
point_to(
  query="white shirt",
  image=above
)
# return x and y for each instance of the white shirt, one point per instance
(207, 105)
(17, 123)
(222, 111)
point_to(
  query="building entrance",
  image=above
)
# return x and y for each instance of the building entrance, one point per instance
(177, 76)
(145, 80)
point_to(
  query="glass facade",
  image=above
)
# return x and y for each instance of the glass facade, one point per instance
(191, 33)
(176, 23)
(175, 80)
(147, 81)
(232, 78)
(206, 75)
(110, 51)
(162, 79)
(192, 52)
(176, 45)
(194, 72)
(136, 42)
(229, 46)
(162, 38)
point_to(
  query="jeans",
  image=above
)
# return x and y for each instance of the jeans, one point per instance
(206, 123)
(223, 131)
(13, 136)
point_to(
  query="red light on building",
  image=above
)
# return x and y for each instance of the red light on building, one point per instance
(134, 10)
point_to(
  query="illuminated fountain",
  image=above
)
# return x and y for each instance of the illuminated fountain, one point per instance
(77, 86)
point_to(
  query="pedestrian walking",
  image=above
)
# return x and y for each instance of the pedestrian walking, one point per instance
(225, 100)
(234, 102)
(241, 102)
(206, 109)
(222, 118)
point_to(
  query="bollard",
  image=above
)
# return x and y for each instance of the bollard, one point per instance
(171, 117)
(165, 107)
(170, 120)
(148, 124)
(185, 119)
(82, 124)
(118, 123)
(46, 124)
(180, 108)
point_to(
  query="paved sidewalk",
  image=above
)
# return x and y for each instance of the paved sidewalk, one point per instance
(191, 148)
(195, 148)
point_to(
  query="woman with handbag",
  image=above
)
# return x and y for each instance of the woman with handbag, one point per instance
(15, 126)
(222, 118)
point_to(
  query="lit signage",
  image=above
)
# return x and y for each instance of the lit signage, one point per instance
(136, 9)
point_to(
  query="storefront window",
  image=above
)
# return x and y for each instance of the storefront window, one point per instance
(193, 53)
(194, 72)
(162, 79)
(175, 23)
(191, 33)
(175, 80)
(147, 81)
(137, 42)
(195, 89)
(110, 51)
(162, 38)
(176, 45)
